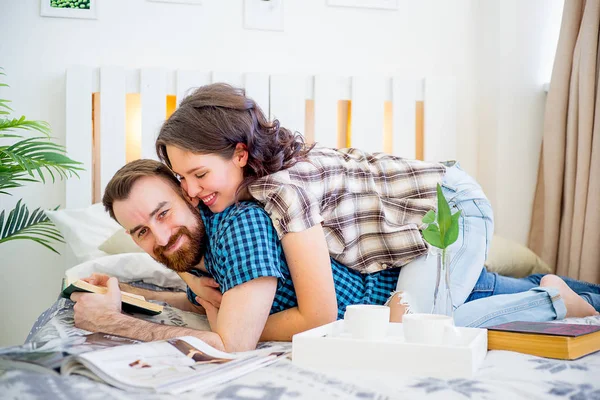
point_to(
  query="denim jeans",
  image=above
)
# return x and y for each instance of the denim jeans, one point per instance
(468, 253)
(476, 226)
(539, 304)
(492, 284)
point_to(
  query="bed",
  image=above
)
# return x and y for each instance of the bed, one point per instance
(408, 117)
(503, 375)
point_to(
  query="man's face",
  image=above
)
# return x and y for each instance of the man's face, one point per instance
(162, 223)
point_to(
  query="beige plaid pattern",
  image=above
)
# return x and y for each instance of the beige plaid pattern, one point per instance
(370, 205)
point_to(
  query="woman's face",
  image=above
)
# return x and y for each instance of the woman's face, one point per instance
(210, 178)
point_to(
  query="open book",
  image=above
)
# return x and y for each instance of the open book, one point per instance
(169, 366)
(130, 302)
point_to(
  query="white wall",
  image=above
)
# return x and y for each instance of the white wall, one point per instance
(515, 52)
(423, 38)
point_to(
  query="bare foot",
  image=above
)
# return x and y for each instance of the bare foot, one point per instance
(398, 307)
(575, 304)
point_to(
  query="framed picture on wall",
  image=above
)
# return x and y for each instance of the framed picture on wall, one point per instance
(69, 8)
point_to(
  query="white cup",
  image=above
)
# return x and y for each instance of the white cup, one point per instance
(432, 329)
(364, 321)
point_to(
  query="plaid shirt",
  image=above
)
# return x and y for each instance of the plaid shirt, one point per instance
(243, 245)
(370, 205)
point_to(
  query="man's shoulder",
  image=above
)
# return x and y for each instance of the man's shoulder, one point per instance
(246, 223)
(246, 214)
(246, 208)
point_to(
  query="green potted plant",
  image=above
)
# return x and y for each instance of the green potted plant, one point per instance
(441, 232)
(29, 159)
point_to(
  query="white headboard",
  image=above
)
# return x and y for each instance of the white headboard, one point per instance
(96, 129)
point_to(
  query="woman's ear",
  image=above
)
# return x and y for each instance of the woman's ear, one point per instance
(240, 155)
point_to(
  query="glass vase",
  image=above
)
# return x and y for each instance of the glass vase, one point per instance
(442, 296)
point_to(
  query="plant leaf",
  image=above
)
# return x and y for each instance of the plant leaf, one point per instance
(23, 123)
(432, 236)
(444, 215)
(429, 217)
(25, 160)
(452, 234)
(21, 225)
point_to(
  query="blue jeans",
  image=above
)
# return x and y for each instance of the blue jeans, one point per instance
(539, 304)
(468, 253)
(498, 299)
(476, 226)
(492, 284)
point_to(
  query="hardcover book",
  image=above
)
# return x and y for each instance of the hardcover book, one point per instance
(130, 302)
(545, 339)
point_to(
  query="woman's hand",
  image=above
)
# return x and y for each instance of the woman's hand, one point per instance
(204, 287)
(212, 312)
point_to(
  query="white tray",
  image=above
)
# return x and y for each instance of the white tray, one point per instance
(330, 347)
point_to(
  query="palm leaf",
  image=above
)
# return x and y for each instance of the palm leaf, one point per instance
(4, 104)
(36, 227)
(27, 158)
(23, 123)
(10, 135)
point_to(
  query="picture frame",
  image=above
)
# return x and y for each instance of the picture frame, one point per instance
(62, 8)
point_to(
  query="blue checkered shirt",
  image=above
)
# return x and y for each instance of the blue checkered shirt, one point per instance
(243, 245)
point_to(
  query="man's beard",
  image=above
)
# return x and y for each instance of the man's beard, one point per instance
(189, 254)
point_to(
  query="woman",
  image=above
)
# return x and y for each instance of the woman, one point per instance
(364, 210)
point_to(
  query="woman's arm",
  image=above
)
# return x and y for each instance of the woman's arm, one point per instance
(308, 260)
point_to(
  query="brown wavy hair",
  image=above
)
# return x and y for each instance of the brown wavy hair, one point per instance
(120, 185)
(213, 119)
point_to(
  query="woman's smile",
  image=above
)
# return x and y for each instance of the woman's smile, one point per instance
(210, 199)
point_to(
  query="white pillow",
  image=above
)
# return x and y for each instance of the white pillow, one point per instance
(120, 242)
(84, 230)
(129, 267)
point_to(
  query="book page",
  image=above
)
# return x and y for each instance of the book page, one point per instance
(153, 365)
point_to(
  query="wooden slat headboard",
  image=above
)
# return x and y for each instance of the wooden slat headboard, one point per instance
(421, 114)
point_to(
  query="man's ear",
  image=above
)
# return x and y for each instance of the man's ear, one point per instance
(240, 155)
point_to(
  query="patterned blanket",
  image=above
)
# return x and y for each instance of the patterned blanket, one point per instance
(504, 375)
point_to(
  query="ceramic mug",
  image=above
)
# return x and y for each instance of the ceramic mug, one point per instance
(364, 321)
(432, 329)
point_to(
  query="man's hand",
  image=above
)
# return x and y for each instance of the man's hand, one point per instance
(94, 312)
(204, 287)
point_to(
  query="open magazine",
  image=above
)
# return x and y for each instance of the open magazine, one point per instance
(170, 366)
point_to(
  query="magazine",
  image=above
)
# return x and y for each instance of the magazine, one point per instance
(169, 366)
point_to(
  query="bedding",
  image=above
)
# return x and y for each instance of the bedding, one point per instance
(503, 374)
(84, 230)
(106, 250)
